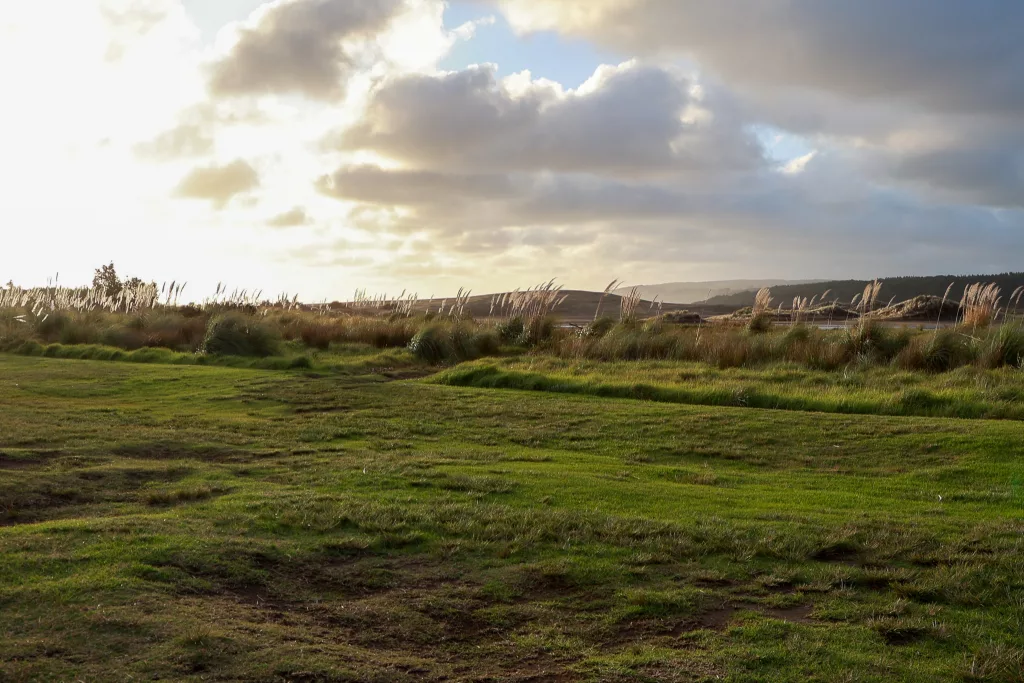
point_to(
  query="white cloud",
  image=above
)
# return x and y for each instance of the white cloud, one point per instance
(628, 119)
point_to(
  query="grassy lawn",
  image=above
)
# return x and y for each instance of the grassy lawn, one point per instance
(967, 392)
(180, 522)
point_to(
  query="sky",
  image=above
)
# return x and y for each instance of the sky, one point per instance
(316, 147)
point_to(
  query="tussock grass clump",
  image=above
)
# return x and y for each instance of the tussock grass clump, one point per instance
(870, 342)
(441, 343)
(534, 308)
(321, 331)
(996, 662)
(382, 333)
(539, 330)
(236, 334)
(1004, 347)
(173, 331)
(599, 327)
(939, 352)
(813, 348)
(511, 330)
(164, 328)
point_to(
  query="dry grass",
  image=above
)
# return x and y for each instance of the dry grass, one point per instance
(629, 305)
(980, 305)
(38, 302)
(802, 306)
(762, 302)
(760, 314)
(145, 316)
(604, 295)
(869, 298)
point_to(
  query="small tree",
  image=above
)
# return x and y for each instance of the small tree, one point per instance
(106, 279)
(134, 283)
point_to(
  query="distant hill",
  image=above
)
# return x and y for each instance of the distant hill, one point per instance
(692, 292)
(580, 306)
(898, 288)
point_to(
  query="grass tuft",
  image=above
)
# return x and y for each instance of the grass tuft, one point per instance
(236, 334)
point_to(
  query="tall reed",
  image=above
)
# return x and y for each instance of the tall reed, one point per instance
(979, 306)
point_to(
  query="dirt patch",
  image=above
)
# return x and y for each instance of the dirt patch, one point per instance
(715, 583)
(897, 632)
(718, 619)
(801, 614)
(175, 451)
(842, 552)
(6, 463)
(405, 374)
(315, 409)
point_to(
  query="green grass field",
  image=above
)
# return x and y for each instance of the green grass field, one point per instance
(967, 392)
(354, 522)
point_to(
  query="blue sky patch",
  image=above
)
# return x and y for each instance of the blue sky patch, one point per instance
(545, 54)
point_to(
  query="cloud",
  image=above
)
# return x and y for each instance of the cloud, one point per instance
(644, 165)
(130, 21)
(988, 172)
(290, 219)
(219, 184)
(184, 141)
(944, 55)
(300, 47)
(863, 76)
(822, 220)
(374, 185)
(627, 119)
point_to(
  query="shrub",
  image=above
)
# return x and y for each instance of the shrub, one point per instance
(29, 348)
(123, 338)
(50, 327)
(235, 334)
(174, 331)
(78, 331)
